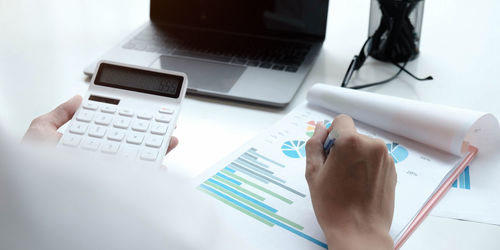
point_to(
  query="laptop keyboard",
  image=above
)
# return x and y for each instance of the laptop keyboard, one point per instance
(263, 53)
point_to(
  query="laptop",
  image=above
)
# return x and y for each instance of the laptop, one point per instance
(255, 51)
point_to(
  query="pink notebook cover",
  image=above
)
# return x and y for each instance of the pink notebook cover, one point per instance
(440, 193)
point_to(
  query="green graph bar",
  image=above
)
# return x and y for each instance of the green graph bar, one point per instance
(236, 207)
(265, 190)
(254, 195)
(271, 214)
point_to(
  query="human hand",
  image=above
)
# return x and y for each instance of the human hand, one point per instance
(352, 187)
(44, 128)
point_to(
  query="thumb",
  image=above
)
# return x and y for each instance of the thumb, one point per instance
(315, 156)
(63, 112)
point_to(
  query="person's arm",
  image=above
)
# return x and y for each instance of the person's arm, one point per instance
(44, 128)
(352, 187)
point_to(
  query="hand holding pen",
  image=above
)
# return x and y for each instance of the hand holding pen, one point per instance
(352, 183)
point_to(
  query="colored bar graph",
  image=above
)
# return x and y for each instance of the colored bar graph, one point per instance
(221, 186)
(463, 181)
(249, 173)
(237, 187)
(207, 190)
(274, 182)
(252, 168)
(228, 179)
(253, 159)
(254, 152)
(263, 217)
(246, 185)
(265, 190)
(255, 167)
(467, 178)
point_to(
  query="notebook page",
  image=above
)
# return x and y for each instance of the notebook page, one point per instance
(260, 189)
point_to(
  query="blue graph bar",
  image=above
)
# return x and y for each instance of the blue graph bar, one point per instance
(228, 179)
(242, 195)
(230, 170)
(463, 181)
(278, 223)
(467, 177)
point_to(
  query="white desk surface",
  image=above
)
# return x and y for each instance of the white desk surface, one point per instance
(44, 46)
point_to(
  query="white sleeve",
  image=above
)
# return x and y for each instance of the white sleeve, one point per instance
(51, 201)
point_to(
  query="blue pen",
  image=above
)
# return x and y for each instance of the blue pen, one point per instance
(330, 141)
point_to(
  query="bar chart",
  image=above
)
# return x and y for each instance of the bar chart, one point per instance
(251, 185)
(463, 181)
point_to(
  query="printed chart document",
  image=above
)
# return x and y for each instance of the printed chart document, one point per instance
(261, 190)
(474, 195)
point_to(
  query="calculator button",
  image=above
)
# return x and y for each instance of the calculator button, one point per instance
(154, 141)
(126, 112)
(90, 105)
(159, 129)
(166, 110)
(91, 144)
(108, 109)
(97, 131)
(145, 116)
(135, 138)
(110, 147)
(78, 128)
(103, 119)
(149, 155)
(116, 135)
(141, 126)
(85, 116)
(71, 140)
(162, 118)
(129, 152)
(121, 123)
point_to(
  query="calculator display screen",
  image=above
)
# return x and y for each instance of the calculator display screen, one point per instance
(139, 80)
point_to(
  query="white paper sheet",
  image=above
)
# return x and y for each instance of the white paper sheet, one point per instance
(279, 153)
(446, 128)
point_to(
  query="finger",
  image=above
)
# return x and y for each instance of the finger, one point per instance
(315, 156)
(63, 112)
(343, 123)
(173, 143)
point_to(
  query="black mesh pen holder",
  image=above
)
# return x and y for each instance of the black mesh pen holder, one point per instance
(395, 28)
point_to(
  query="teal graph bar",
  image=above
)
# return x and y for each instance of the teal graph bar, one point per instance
(463, 181)
(242, 195)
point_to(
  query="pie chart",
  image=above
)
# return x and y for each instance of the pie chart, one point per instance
(294, 149)
(311, 126)
(398, 152)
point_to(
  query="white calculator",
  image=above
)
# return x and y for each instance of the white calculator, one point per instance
(129, 112)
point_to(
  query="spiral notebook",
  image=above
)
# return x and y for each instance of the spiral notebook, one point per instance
(261, 192)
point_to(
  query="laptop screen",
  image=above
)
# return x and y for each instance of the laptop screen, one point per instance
(279, 18)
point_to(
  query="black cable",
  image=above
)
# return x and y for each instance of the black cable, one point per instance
(380, 82)
(395, 41)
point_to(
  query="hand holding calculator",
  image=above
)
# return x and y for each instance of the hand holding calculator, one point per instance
(128, 112)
